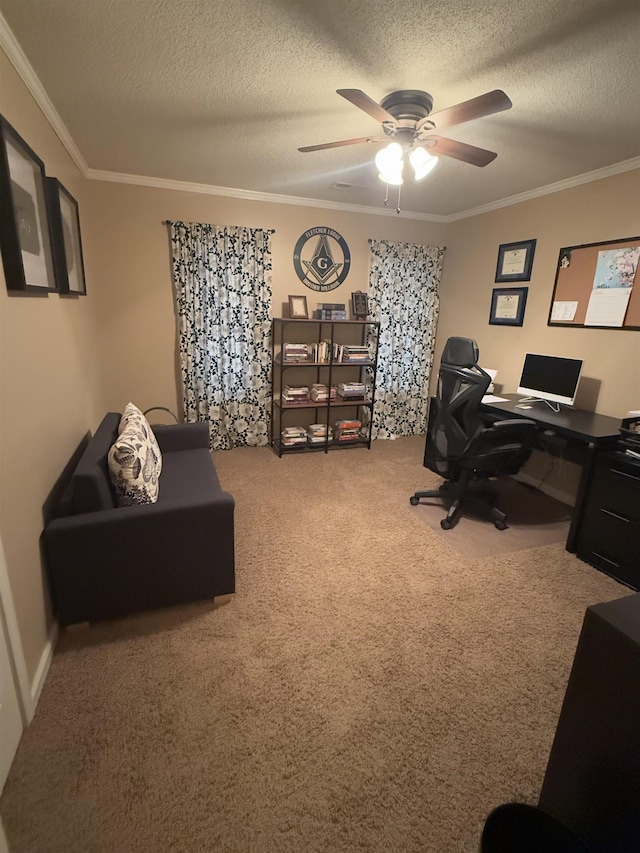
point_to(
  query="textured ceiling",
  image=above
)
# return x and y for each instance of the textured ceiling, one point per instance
(223, 92)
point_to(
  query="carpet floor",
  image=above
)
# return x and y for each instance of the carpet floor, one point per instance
(368, 688)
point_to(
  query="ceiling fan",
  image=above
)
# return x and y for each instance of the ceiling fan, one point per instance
(407, 119)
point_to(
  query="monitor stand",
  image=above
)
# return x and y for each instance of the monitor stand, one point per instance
(555, 407)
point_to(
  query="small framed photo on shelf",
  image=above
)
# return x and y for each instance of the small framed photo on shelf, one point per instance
(359, 305)
(507, 306)
(24, 227)
(515, 261)
(298, 308)
(67, 246)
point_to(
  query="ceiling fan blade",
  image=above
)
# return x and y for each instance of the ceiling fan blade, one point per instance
(459, 150)
(342, 142)
(359, 99)
(483, 105)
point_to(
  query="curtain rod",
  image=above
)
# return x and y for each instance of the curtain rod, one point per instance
(267, 230)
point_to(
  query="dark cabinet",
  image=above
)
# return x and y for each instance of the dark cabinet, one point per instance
(610, 533)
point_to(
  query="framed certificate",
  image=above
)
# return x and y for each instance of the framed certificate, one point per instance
(298, 308)
(515, 261)
(507, 306)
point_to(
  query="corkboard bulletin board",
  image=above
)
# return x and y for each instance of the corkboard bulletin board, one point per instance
(574, 283)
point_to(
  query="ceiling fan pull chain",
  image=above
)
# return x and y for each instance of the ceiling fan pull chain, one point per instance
(386, 196)
(398, 205)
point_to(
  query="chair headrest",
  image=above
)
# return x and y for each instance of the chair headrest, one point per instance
(461, 352)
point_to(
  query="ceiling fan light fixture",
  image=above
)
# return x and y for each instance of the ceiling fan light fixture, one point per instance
(390, 164)
(422, 162)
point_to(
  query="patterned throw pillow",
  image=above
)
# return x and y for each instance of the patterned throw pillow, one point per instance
(132, 414)
(133, 467)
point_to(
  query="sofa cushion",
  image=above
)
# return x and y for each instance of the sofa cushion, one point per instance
(133, 466)
(132, 414)
(188, 478)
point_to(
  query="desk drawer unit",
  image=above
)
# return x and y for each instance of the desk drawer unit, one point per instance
(610, 532)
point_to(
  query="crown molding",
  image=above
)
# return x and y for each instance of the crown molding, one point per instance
(252, 195)
(18, 59)
(577, 180)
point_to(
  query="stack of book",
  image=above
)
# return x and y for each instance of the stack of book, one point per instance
(320, 393)
(317, 433)
(320, 351)
(295, 396)
(293, 435)
(352, 391)
(355, 353)
(295, 352)
(331, 311)
(347, 430)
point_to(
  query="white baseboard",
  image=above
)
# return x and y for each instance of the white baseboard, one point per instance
(559, 495)
(43, 666)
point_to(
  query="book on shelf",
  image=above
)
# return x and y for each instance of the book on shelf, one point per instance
(292, 396)
(295, 352)
(355, 391)
(347, 430)
(293, 435)
(320, 392)
(355, 353)
(318, 433)
(320, 351)
(348, 435)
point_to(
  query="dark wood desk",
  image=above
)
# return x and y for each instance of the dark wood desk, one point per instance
(573, 434)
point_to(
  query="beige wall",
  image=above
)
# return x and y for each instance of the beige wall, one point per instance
(132, 280)
(608, 209)
(64, 362)
(48, 393)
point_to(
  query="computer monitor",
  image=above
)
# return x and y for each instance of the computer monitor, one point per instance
(550, 378)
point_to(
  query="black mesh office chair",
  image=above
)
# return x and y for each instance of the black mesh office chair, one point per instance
(462, 447)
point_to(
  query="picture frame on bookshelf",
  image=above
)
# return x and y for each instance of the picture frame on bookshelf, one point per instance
(24, 228)
(298, 308)
(359, 305)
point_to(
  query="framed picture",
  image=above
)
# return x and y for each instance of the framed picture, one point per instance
(24, 230)
(515, 261)
(64, 219)
(507, 306)
(298, 308)
(359, 305)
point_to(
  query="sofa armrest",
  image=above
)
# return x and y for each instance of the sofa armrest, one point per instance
(127, 559)
(174, 437)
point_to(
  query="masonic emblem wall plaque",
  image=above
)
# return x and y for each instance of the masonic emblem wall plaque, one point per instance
(321, 259)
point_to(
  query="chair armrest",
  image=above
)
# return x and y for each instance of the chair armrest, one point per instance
(173, 437)
(519, 428)
(511, 422)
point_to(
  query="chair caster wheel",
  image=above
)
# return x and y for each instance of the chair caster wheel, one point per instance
(413, 500)
(500, 525)
(445, 524)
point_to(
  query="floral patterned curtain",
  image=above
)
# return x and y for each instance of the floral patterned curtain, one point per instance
(403, 296)
(223, 296)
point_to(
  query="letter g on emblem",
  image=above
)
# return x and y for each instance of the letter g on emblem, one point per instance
(321, 258)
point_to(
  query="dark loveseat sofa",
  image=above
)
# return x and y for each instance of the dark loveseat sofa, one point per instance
(105, 561)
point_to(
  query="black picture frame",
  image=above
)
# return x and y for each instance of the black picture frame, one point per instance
(507, 306)
(25, 240)
(298, 308)
(359, 305)
(515, 261)
(68, 260)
